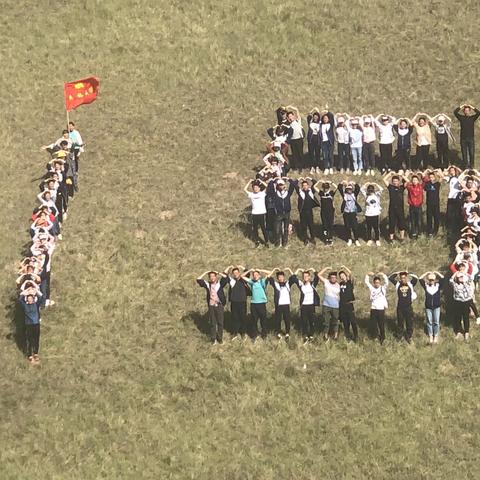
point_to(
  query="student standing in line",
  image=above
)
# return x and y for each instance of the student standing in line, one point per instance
(282, 299)
(259, 210)
(296, 137)
(443, 133)
(432, 185)
(453, 203)
(406, 295)
(343, 144)
(463, 289)
(216, 301)
(331, 303)
(415, 202)
(346, 308)
(396, 209)
(258, 304)
(328, 140)
(378, 300)
(355, 134)
(309, 299)
(350, 208)
(314, 140)
(467, 116)
(369, 138)
(433, 286)
(424, 138)
(31, 310)
(306, 203)
(385, 124)
(237, 294)
(372, 193)
(282, 205)
(326, 192)
(404, 131)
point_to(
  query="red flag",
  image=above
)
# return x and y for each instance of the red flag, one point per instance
(81, 91)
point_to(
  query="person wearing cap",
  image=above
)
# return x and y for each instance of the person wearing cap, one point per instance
(384, 124)
(396, 210)
(328, 140)
(330, 304)
(415, 202)
(306, 203)
(282, 206)
(378, 302)
(404, 283)
(404, 130)
(369, 138)
(314, 140)
(343, 143)
(433, 286)
(326, 192)
(215, 301)
(259, 210)
(350, 208)
(422, 122)
(296, 137)
(431, 185)
(356, 144)
(443, 134)
(282, 299)
(463, 291)
(467, 115)
(372, 193)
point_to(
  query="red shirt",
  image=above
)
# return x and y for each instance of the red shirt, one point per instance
(415, 194)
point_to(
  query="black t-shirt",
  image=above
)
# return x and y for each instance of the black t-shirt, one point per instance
(326, 199)
(396, 197)
(346, 294)
(432, 190)
(238, 292)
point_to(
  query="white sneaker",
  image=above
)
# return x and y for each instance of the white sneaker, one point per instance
(317, 170)
(350, 243)
(347, 171)
(59, 236)
(435, 339)
(331, 171)
(478, 321)
(47, 303)
(357, 243)
(65, 216)
(431, 339)
(377, 243)
(459, 336)
(367, 172)
(342, 171)
(325, 172)
(312, 171)
(371, 172)
(467, 337)
(370, 243)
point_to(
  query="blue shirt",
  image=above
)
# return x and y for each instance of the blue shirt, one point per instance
(32, 314)
(258, 290)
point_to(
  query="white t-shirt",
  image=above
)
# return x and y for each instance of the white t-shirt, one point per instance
(258, 202)
(342, 135)
(372, 203)
(325, 129)
(454, 187)
(297, 130)
(283, 293)
(315, 128)
(307, 290)
(369, 134)
(378, 296)
(386, 133)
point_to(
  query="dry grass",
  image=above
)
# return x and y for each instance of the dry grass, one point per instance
(128, 387)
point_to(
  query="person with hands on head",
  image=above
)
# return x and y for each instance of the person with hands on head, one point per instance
(326, 191)
(463, 292)
(369, 138)
(421, 122)
(433, 283)
(372, 193)
(297, 134)
(343, 143)
(378, 301)
(415, 201)
(404, 129)
(237, 295)
(216, 301)
(306, 203)
(281, 196)
(346, 307)
(467, 115)
(396, 210)
(385, 124)
(404, 284)
(431, 185)
(259, 210)
(355, 134)
(328, 139)
(350, 208)
(29, 302)
(258, 303)
(314, 140)
(309, 299)
(282, 298)
(330, 304)
(454, 206)
(443, 134)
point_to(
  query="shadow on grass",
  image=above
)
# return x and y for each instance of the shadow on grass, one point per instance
(17, 324)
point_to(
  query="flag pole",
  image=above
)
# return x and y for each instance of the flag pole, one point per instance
(66, 109)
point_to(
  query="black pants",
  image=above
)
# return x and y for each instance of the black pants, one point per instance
(405, 321)
(442, 153)
(347, 316)
(327, 216)
(282, 311)
(373, 225)
(415, 214)
(396, 219)
(351, 225)
(239, 317)
(377, 319)
(307, 320)
(314, 148)
(297, 153)
(343, 156)
(270, 221)
(454, 215)
(32, 336)
(258, 220)
(215, 315)
(473, 307)
(282, 223)
(386, 150)
(258, 312)
(422, 156)
(368, 153)
(462, 314)
(433, 218)
(402, 159)
(306, 222)
(468, 151)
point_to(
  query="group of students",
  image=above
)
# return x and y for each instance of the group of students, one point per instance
(271, 205)
(337, 302)
(57, 188)
(356, 136)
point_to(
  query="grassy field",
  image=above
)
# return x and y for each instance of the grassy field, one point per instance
(129, 386)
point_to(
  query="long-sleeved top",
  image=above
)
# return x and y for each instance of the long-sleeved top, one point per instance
(218, 286)
(415, 194)
(406, 293)
(386, 136)
(378, 296)
(356, 137)
(258, 288)
(467, 124)
(31, 311)
(308, 290)
(462, 291)
(328, 134)
(424, 134)
(281, 199)
(373, 206)
(433, 293)
(281, 291)
(306, 199)
(404, 137)
(349, 203)
(238, 290)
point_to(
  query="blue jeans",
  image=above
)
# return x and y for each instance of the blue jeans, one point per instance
(357, 158)
(327, 152)
(433, 321)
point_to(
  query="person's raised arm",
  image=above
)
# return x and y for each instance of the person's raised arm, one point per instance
(456, 112)
(270, 274)
(321, 272)
(288, 269)
(203, 274)
(387, 177)
(439, 274)
(246, 188)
